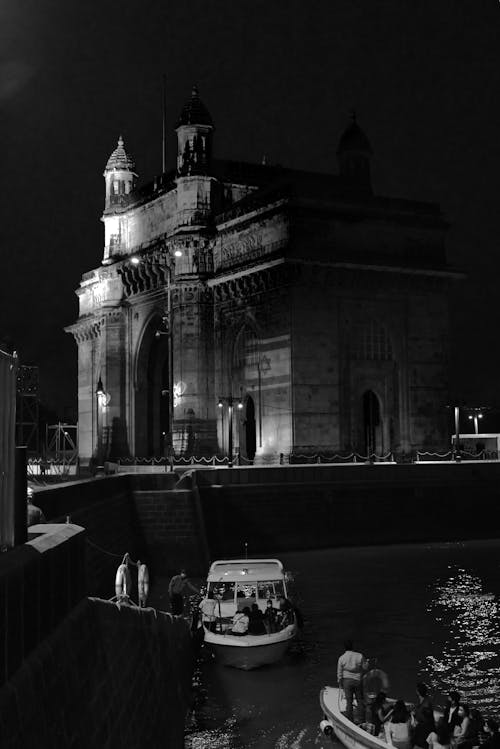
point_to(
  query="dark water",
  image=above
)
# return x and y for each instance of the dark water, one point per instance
(427, 612)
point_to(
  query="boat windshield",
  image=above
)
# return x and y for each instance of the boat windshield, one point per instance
(223, 591)
(226, 591)
(270, 589)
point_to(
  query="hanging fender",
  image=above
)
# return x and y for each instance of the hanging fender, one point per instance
(143, 584)
(123, 581)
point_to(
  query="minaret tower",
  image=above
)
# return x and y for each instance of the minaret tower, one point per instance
(194, 138)
(120, 178)
(354, 153)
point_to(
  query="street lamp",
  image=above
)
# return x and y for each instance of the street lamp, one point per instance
(100, 402)
(167, 322)
(476, 416)
(229, 400)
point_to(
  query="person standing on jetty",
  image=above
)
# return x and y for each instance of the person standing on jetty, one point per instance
(176, 588)
(350, 668)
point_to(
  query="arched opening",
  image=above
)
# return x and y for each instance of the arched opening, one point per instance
(248, 438)
(151, 394)
(245, 377)
(372, 424)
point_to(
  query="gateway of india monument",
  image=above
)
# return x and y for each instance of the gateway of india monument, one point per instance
(257, 310)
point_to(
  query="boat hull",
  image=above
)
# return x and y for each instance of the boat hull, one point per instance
(332, 703)
(347, 732)
(250, 651)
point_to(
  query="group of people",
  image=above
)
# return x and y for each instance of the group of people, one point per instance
(253, 621)
(250, 620)
(459, 727)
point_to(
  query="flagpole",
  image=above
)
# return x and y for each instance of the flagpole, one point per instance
(164, 125)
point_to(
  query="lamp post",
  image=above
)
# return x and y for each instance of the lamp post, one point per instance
(167, 321)
(100, 398)
(229, 400)
(476, 416)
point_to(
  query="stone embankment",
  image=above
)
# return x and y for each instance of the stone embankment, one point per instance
(78, 671)
(106, 677)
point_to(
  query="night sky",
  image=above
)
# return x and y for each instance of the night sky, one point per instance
(279, 78)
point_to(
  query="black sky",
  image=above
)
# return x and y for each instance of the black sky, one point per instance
(279, 77)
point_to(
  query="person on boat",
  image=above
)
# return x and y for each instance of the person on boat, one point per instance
(477, 724)
(270, 616)
(35, 515)
(176, 588)
(241, 621)
(256, 624)
(441, 737)
(207, 609)
(466, 733)
(375, 680)
(285, 612)
(350, 668)
(380, 712)
(492, 740)
(399, 728)
(451, 710)
(423, 716)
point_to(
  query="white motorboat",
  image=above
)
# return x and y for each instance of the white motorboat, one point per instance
(234, 585)
(352, 736)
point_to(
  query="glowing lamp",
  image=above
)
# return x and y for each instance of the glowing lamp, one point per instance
(240, 405)
(178, 253)
(99, 389)
(135, 260)
(220, 404)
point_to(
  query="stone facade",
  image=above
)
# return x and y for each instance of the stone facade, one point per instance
(317, 304)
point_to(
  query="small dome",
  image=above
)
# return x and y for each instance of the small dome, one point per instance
(119, 159)
(354, 139)
(194, 112)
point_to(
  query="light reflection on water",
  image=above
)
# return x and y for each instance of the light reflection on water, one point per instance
(426, 611)
(470, 657)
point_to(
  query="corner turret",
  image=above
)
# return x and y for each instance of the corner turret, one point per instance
(120, 178)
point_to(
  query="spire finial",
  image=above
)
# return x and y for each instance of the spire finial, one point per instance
(120, 141)
(194, 91)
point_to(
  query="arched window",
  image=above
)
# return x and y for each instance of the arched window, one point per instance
(370, 341)
(246, 351)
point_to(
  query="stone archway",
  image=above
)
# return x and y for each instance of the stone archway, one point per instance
(248, 432)
(151, 393)
(244, 378)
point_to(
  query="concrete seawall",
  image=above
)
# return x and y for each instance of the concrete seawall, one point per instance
(106, 677)
(308, 507)
(151, 516)
(211, 512)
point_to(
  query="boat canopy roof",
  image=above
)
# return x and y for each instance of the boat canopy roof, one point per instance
(231, 570)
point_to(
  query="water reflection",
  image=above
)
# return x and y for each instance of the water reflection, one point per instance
(469, 660)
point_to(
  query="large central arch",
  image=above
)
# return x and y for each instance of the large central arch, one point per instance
(151, 392)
